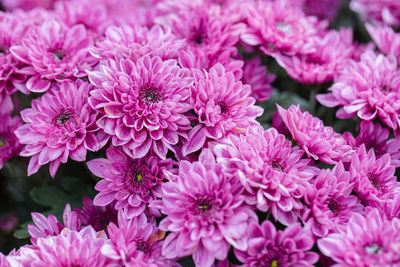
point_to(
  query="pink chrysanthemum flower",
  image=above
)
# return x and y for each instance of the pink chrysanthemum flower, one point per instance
(369, 240)
(323, 9)
(206, 31)
(374, 177)
(222, 104)
(279, 28)
(375, 137)
(54, 52)
(131, 183)
(386, 11)
(385, 38)
(273, 173)
(205, 212)
(60, 124)
(27, 4)
(97, 217)
(320, 66)
(269, 247)
(136, 238)
(142, 104)
(257, 77)
(369, 89)
(329, 201)
(50, 226)
(318, 141)
(9, 144)
(133, 42)
(69, 248)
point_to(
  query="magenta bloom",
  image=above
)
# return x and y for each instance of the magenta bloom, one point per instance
(142, 104)
(205, 212)
(369, 240)
(375, 137)
(54, 52)
(329, 202)
(369, 89)
(269, 247)
(97, 217)
(50, 226)
(374, 177)
(131, 183)
(318, 141)
(60, 124)
(133, 42)
(26, 4)
(280, 28)
(386, 11)
(320, 66)
(69, 248)
(273, 173)
(257, 77)
(8, 223)
(222, 104)
(323, 9)
(385, 39)
(133, 239)
(9, 144)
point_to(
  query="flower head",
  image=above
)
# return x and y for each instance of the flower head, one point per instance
(60, 124)
(205, 212)
(370, 240)
(318, 141)
(142, 104)
(273, 173)
(386, 11)
(269, 247)
(9, 144)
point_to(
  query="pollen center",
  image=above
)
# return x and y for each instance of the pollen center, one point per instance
(276, 165)
(223, 106)
(334, 206)
(58, 54)
(150, 94)
(64, 117)
(375, 181)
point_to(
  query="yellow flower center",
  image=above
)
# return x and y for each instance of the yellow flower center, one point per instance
(274, 263)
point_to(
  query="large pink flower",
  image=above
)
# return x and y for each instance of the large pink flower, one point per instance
(205, 212)
(278, 27)
(273, 173)
(54, 52)
(132, 184)
(269, 247)
(329, 201)
(386, 11)
(374, 177)
(142, 104)
(369, 240)
(369, 89)
(136, 238)
(60, 124)
(385, 38)
(318, 141)
(222, 105)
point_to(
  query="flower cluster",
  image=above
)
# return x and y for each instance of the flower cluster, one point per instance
(166, 108)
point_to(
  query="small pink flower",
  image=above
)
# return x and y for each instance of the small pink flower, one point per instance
(386, 11)
(385, 39)
(9, 144)
(318, 141)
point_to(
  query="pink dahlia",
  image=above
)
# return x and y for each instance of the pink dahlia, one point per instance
(369, 240)
(222, 105)
(207, 32)
(9, 144)
(269, 247)
(329, 201)
(205, 212)
(54, 52)
(320, 66)
(375, 137)
(373, 177)
(142, 104)
(278, 27)
(369, 89)
(50, 226)
(386, 11)
(69, 248)
(257, 77)
(385, 38)
(131, 183)
(60, 124)
(133, 239)
(136, 41)
(273, 173)
(97, 217)
(318, 141)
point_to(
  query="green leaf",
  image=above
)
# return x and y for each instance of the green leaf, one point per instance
(22, 232)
